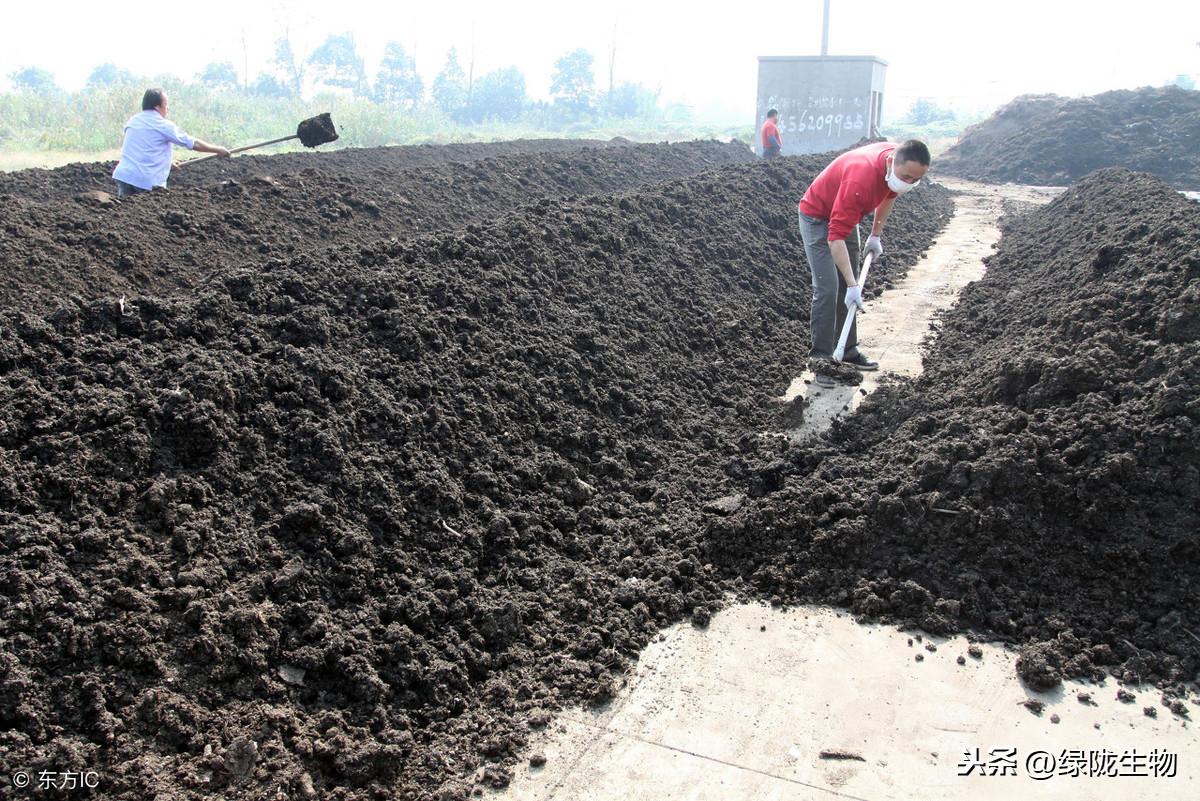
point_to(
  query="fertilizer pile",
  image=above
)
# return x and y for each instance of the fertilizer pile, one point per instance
(1040, 481)
(1050, 140)
(162, 243)
(62, 183)
(349, 519)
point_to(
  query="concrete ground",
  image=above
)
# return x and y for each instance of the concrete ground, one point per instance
(807, 704)
(893, 327)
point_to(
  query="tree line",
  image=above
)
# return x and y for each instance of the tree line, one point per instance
(337, 66)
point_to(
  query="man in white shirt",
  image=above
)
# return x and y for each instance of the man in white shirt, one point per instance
(146, 153)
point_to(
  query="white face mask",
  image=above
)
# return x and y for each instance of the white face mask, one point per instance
(895, 184)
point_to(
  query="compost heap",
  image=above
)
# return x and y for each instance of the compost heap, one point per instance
(64, 182)
(344, 523)
(1039, 482)
(1051, 140)
(165, 243)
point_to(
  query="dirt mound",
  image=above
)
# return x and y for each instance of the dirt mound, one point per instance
(161, 243)
(348, 521)
(1050, 140)
(1040, 481)
(62, 183)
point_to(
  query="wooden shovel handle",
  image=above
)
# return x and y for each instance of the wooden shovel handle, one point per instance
(240, 149)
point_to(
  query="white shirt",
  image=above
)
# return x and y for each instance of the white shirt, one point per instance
(146, 153)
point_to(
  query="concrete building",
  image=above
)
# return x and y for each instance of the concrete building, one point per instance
(824, 102)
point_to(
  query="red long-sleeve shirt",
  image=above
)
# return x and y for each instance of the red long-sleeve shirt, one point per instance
(850, 188)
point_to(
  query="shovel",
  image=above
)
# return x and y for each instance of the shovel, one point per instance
(840, 350)
(314, 131)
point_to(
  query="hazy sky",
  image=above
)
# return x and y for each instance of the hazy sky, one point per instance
(971, 54)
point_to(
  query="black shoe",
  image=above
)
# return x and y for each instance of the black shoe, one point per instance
(861, 361)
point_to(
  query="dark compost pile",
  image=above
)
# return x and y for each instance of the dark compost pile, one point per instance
(165, 242)
(61, 183)
(1040, 481)
(350, 514)
(1051, 140)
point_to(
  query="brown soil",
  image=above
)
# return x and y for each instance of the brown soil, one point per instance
(62, 183)
(1040, 481)
(161, 243)
(1051, 140)
(844, 373)
(325, 510)
(318, 130)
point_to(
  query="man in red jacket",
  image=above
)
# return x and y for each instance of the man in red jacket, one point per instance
(859, 181)
(772, 140)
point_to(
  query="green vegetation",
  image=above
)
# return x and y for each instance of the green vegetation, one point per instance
(392, 106)
(91, 121)
(929, 122)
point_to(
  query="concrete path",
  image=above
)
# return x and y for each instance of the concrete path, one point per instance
(737, 712)
(893, 327)
(745, 708)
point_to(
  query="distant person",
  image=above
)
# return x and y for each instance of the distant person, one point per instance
(146, 152)
(772, 140)
(859, 181)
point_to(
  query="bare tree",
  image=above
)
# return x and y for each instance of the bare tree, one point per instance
(291, 68)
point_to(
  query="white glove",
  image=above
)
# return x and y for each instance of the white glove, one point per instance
(854, 298)
(874, 245)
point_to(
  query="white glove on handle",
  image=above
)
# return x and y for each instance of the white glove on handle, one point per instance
(875, 245)
(854, 298)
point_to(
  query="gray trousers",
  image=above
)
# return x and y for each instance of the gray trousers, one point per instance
(125, 190)
(828, 289)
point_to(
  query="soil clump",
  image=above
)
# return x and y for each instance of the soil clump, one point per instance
(317, 130)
